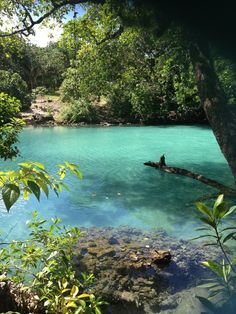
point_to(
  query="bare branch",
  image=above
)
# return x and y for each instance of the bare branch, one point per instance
(56, 5)
(196, 176)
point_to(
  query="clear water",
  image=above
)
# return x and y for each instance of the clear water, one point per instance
(117, 188)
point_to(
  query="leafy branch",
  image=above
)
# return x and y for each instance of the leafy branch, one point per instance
(223, 287)
(32, 178)
(43, 265)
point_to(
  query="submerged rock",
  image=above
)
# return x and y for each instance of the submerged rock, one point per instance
(138, 271)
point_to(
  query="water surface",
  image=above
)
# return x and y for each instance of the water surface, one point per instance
(117, 188)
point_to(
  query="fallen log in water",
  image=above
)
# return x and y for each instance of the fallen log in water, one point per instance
(196, 176)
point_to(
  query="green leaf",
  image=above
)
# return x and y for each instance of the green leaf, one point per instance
(208, 221)
(230, 211)
(213, 266)
(35, 189)
(39, 165)
(43, 186)
(203, 236)
(10, 194)
(208, 304)
(228, 228)
(218, 201)
(202, 229)
(71, 304)
(97, 310)
(229, 236)
(74, 291)
(209, 285)
(83, 303)
(204, 209)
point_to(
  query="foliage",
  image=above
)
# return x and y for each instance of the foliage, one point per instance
(9, 137)
(80, 110)
(139, 74)
(44, 265)
(222, 288)
(226, 71)
(9, 108)
(39, 91)
(32, 178)
(48, 65)
(15, 86)
(10, 125)
(70, 87)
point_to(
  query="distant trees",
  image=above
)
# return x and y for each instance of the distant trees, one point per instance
(46, 66)
(212, 22)
(24, 66)
(15, 86)
(138, 75)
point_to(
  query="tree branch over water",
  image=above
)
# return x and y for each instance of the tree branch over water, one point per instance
(196, 176)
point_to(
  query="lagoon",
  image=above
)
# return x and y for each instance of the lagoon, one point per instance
(117, 189)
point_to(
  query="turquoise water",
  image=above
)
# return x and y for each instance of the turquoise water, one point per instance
(117, 188)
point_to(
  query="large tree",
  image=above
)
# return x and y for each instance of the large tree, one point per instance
(204, 23)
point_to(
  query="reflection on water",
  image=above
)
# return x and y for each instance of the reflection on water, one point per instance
(117, 188)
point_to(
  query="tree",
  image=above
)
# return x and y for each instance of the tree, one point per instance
(10, 126)
(203, 23)
(137, 75)
(15, 86)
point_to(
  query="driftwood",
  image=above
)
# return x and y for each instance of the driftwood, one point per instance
(161, 165)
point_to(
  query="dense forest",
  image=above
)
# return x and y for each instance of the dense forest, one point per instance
(119, 63)
(105, 71)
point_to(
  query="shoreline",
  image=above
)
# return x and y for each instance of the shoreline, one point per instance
(107, 124)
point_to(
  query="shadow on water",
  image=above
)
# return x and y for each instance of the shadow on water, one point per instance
(152, 197)
(117, 188)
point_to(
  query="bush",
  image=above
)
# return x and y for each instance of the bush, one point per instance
(10, 126)
(80, 110)
(39, 91)
(219, 230)
(69, 89)
(43, 265)
(15, 86)
(9, 108)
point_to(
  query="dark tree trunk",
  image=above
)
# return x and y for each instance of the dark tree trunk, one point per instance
(222, 117)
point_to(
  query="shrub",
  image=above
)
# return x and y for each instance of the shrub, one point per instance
(69, 89)
(15, 86)
(10, 126)
(9, 108)
(220, 231)
(80, 110)
(44, 265)
(39, 91)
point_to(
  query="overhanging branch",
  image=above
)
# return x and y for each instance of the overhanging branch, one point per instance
(28, 22)
(196, 176)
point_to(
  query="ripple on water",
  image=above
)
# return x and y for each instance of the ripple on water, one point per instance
(117, 188)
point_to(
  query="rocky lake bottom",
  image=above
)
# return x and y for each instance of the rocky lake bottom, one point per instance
(140, 271)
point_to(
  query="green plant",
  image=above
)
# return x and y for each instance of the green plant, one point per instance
(222, 288)
(9, 108)
(43, 263)
(32, 178)
(15, 86)
(10, 125)
(80, 110)
(39, 91)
